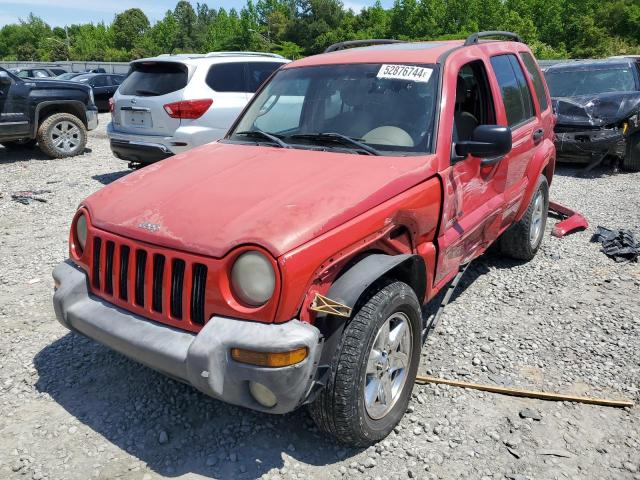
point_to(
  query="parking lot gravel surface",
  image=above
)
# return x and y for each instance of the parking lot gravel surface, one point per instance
(569, 321)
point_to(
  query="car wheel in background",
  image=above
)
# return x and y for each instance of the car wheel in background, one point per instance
(631, 160)
(62, 135)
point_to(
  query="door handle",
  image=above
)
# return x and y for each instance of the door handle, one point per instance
(538, 135)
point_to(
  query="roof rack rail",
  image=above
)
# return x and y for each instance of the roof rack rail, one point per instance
(474, 38)
(254, 54)
(180, 55)
(359, 43)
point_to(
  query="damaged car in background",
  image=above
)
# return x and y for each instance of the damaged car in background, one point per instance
(597, 104)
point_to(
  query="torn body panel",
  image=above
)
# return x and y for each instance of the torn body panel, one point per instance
(571, 221)
(594, 126)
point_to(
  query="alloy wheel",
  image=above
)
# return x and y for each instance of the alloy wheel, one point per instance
(387, 365)
(65, 136)
(537, 219)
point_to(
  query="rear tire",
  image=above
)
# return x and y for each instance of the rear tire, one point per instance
(373, 372)
(631, 160)
(62, 135)
(523, 239)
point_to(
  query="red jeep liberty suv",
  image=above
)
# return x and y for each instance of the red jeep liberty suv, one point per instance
(287, 264)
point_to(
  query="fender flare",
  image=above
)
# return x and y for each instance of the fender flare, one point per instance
(75, 103)
(348, 290)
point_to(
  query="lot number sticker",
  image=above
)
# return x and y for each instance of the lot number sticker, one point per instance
(405, 72)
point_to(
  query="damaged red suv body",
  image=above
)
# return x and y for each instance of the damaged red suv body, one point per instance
(287, 264)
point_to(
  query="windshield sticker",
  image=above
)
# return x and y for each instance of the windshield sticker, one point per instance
(405, 72)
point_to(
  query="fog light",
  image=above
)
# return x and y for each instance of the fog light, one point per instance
(263, 395)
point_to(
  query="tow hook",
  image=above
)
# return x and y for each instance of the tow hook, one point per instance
(570, 220)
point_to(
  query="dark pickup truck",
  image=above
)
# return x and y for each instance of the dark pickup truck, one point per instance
(54, 114)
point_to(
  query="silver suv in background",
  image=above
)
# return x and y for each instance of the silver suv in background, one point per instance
(172, 103)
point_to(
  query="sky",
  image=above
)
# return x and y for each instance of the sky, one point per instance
(67, 12)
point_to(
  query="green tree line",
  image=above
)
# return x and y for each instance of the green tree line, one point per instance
(294, 28)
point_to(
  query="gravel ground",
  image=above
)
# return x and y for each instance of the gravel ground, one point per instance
(569, 321)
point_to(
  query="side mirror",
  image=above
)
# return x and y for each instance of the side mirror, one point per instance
(486, 141)
(5, 78)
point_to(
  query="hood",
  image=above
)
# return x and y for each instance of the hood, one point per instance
(596, 110)
(218, 196)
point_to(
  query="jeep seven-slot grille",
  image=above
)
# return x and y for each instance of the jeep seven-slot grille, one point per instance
(143, 279)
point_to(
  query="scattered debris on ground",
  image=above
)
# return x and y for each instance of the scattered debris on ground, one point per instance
(621, 245)
(28, 196)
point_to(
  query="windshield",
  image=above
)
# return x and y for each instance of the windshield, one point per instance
(590, 81)
(371, 107)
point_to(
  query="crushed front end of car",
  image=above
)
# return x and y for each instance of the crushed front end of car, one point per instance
(591, 127)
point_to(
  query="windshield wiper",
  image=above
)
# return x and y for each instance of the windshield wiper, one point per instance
(268, 136)
(338, 138)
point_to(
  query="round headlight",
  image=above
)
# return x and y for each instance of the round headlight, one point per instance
(253, 278)
(81, 231)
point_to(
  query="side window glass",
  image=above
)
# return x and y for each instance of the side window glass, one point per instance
(99, 81)
(474, 103)
(259, 72)
(536, 79)
(527, 99)
(227, 77)
(23, 74)
(517, 108)
(40, 74)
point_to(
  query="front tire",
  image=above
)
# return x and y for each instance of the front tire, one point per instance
(523, 239)
(631, 162)
(373, 371)
(62, 135)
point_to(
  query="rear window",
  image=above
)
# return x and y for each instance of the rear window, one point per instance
(154, 78)
(227, 77)
(536, 78)
(99, 81)
(259, 72)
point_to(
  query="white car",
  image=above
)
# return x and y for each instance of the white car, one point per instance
(172, 103)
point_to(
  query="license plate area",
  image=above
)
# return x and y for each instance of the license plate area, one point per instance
(137, 119)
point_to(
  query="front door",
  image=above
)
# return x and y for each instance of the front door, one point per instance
(474, 191)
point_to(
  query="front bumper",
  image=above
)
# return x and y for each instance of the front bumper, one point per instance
(201, 360)
(583, 145)
(92, 118)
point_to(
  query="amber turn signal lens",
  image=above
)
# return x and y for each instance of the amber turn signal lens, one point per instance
(269, 359)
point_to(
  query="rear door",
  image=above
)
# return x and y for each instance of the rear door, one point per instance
(149, 86)
(526, 128)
